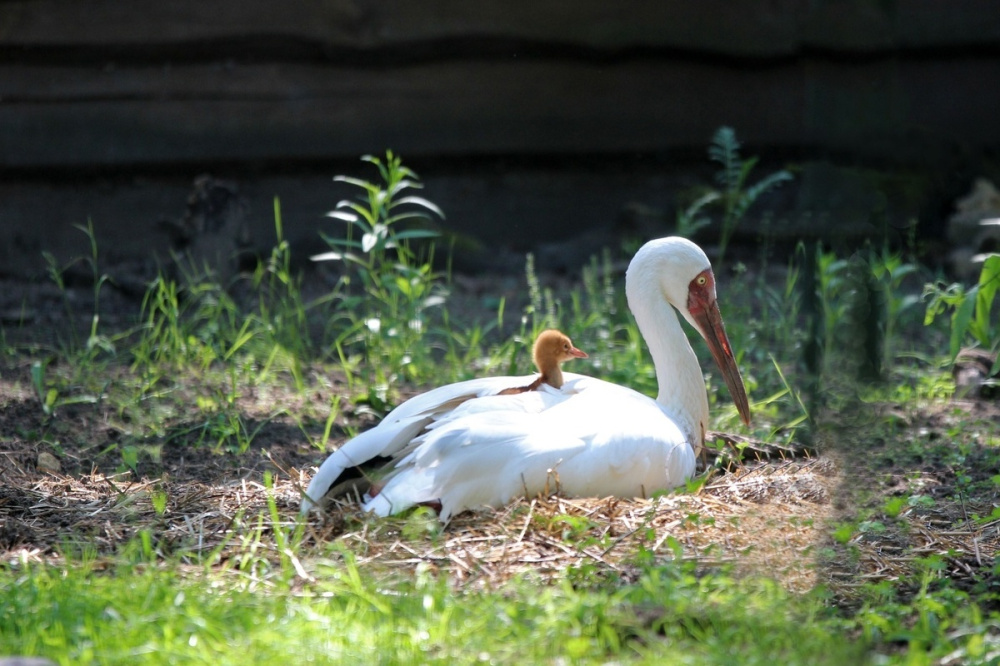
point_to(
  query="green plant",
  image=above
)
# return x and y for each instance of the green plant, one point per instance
(207, 363)
(96, 343)
(282, 312)
(782, 306)
(197, 325)
(49, 395)
(735, 195)
(970, 309)
(890, 272)
(833, 286)
(398, 285)
(854, 308)
(690, 220)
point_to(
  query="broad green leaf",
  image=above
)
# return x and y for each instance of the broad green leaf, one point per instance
(376, 238)
(340, 242)
(37, 378)
(340, 215)
(902, 271)
(337, 256)
(356, 181)
(327, 256)
(404, 184)
(960, 322)
(411, 215)
(382, 170)
(432, 301)
(420, 201)
(989, 281)
(404, 286)
(407, 172)
(363, 212)
(416, 233)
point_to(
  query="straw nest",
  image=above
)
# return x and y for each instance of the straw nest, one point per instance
(762, 515)
(769, 517)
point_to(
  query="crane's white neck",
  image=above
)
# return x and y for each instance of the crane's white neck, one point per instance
(678, 373)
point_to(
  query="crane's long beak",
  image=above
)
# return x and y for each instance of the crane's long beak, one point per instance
(709, 320)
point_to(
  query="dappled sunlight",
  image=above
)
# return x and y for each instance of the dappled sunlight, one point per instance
(917, 498)
(767, 520)
(177, 435)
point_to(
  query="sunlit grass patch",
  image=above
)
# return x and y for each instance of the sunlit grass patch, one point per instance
(91, 612)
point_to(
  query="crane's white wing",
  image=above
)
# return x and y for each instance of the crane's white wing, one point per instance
(590, 438)
(398, 429)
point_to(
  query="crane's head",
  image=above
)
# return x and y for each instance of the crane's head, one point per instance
(681, 273)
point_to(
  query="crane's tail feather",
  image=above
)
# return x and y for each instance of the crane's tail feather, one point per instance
(328, 473)
(383, 441)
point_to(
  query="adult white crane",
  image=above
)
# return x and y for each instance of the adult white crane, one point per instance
(464, 446)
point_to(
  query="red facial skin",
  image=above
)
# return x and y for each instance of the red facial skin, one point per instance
(704, 310)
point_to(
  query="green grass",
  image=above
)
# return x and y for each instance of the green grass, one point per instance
(165, 613)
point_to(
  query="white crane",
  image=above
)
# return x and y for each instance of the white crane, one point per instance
(463, 446)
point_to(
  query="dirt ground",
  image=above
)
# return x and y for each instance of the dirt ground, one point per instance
(64, 488)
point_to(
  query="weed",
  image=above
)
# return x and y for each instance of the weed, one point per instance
(781, 306)
(690, 220)
(398, 286)
(735, 195)
(50, 397)
(281, 310)
(890, 272)
(970, 309)
(95, 341)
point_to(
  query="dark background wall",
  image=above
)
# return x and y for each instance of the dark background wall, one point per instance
(529, 121)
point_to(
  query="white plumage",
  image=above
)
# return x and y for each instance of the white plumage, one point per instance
(465, 447)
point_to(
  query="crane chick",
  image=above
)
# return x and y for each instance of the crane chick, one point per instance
(552, 348)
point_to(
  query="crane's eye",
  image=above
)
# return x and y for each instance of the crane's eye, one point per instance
(702, 280)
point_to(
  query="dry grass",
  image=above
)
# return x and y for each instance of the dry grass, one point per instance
(765, 517)
(548, 535)
(770, 517)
